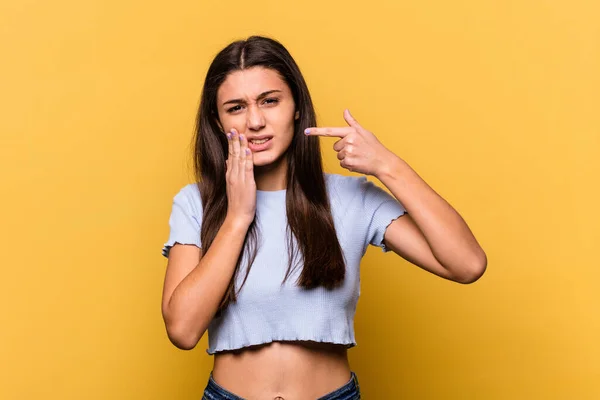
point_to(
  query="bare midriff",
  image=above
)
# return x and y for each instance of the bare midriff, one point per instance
(283, 370)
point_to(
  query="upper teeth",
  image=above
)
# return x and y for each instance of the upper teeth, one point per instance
(258, 141)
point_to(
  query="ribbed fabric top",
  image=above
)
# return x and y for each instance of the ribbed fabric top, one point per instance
(266, 310)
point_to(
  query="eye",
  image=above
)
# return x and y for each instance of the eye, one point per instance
(271, 100)
(234, 109)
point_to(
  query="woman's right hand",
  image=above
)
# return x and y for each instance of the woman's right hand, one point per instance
(241, 187)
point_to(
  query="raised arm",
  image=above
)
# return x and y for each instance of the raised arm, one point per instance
(433, 235)
(195, 283)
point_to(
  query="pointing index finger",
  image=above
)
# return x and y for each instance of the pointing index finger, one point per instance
(330, 131)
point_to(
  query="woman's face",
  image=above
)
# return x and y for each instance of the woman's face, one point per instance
(259, 105)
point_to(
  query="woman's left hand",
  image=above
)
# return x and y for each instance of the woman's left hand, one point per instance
(358, 149)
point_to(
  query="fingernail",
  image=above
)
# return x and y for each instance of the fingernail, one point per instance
(307, 131)
(241, 137)
(228, 135)
(247, 152)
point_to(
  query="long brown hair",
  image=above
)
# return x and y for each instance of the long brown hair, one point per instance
(308, 210)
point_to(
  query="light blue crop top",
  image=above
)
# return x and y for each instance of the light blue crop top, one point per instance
(267, 311)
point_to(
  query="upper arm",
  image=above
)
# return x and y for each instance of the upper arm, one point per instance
(182, 260)
(379, 210)
(186, 219)
(405, 238)
(392, 228)
(183, 247)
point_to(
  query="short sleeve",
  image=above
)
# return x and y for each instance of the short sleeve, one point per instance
(185, 220)
(380, 209)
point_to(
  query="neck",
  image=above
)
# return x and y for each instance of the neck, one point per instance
(273, 176)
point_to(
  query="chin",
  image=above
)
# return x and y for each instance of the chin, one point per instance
(264, 159)
(260, 164)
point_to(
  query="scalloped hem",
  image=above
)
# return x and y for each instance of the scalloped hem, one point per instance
(348, 344)
(167, 246)
(382, 245)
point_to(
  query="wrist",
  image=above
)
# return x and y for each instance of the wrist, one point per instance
(236, 223)
(389, 166)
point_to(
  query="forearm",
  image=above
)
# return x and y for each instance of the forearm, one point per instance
(450, 239)
(196, 299)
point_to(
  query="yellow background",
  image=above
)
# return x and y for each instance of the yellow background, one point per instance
(495, 103)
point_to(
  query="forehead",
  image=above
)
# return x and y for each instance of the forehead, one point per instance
(249, 83)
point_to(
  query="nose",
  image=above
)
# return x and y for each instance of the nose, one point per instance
(255, 119)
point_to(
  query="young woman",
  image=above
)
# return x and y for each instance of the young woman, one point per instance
(264, 250)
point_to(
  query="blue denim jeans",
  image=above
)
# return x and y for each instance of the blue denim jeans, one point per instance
(350, 391)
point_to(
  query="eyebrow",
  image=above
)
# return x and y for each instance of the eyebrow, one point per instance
(260, 96)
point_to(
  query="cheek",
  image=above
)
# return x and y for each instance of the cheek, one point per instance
(228, 122)
(284, 121)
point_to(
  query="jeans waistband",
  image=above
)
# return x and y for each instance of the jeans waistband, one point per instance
(350, 391)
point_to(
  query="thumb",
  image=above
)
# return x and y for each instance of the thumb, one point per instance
(350, 119)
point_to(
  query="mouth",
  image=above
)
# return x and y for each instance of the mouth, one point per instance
(259, 143)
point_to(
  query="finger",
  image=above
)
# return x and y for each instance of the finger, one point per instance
(235, 154)
(339, 145)
(249, 164)
(243, 154)
(344, 164)
(341, 155)
(350, 119)
(331, 132)
(235, 143)
(229, 145)
(229, 151)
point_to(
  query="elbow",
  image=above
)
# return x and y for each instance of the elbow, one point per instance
(182, 338)
(474, 270)
(182, 335)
